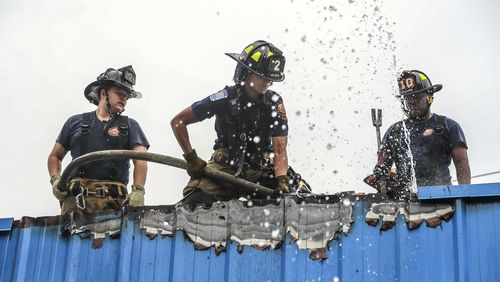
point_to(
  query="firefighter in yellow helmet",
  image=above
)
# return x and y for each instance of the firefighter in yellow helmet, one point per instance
(424, 141)
(251, 125)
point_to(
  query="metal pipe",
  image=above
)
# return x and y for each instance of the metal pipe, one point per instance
(377, 122)
(248, 186)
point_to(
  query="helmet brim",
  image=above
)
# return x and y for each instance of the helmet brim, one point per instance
(235, 57)
(430, 90)
(93, 97)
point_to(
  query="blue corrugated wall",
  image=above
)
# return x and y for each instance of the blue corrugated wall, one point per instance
(466, 248)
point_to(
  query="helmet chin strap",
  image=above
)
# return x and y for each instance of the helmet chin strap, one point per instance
(108, 106)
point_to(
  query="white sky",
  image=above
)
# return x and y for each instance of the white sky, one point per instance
(50, 50)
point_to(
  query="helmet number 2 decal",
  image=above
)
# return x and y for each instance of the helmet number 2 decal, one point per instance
(277, 65)
(274, 65)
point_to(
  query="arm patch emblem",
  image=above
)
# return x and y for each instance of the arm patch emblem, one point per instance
(281, 111)
(219, 95)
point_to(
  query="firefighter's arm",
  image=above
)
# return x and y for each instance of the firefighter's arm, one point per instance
(55, 158)
(280, 155)
(381, 171)
(136, 197)
(179, 125)
(461, 161)
(281, 164)
(140, 167)
(54, 166)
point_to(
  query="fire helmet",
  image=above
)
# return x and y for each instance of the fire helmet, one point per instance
(261, 58)
(414, 82)
(122, 77)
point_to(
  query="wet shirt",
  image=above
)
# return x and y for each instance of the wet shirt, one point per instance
(102, 135)
(421, 137)
(235, 113)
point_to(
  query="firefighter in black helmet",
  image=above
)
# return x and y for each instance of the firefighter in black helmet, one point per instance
(251, 125)
(424, 141)
(101, 185)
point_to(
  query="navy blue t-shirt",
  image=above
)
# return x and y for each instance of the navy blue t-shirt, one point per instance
(263, 118)
(102, 135)
(422, 137)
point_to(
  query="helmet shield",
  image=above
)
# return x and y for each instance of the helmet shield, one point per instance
(122, 77)
(261, 58)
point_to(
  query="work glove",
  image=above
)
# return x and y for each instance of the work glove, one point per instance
(282, 185)
(195, 165)
(136, 197)
(60, 195)
(381, 173)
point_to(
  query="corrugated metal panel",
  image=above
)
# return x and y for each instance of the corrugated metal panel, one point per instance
(6, 224)
(466, 248)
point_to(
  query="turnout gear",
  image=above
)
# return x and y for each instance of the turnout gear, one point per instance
(195, 165)
(122, 77)
(89, 195)
(261, 58)
(60, 195)
(136, 197)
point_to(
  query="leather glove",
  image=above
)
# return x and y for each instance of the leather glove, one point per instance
(60, 195)
(381, 184)
(282, 186)
(380, 173)
(195, 165)
(136, 197)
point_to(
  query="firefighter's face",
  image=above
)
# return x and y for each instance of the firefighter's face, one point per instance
(117, 98)
(417, 104)
(256, 85)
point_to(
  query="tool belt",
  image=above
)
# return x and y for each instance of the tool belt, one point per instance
(82, 187)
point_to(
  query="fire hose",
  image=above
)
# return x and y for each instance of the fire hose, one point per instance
(247, 186)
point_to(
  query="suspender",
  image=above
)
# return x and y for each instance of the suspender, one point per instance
(438, 132)
(123, 125)
(84, 139)
(235, 109)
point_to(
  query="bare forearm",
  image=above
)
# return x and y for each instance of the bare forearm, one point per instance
(182, 136)
(140, 172)
(55, 158)
(463, 172)
(140, 167)
(54, 166)
(280, 155)
(280, 164)
(461, 161)
(179, 126)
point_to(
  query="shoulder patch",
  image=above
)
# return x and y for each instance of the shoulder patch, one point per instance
(219, 95)
(282, 111)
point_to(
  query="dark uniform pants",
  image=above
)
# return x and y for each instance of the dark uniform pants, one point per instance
(224, 191)
(111, 200)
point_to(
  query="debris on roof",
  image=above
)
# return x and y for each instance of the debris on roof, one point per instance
(414, 213)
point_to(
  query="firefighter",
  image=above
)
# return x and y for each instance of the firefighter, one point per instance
(424, 142)
(251, 125)
(101, 185)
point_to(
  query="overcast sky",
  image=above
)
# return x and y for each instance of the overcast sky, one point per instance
(342, 60)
